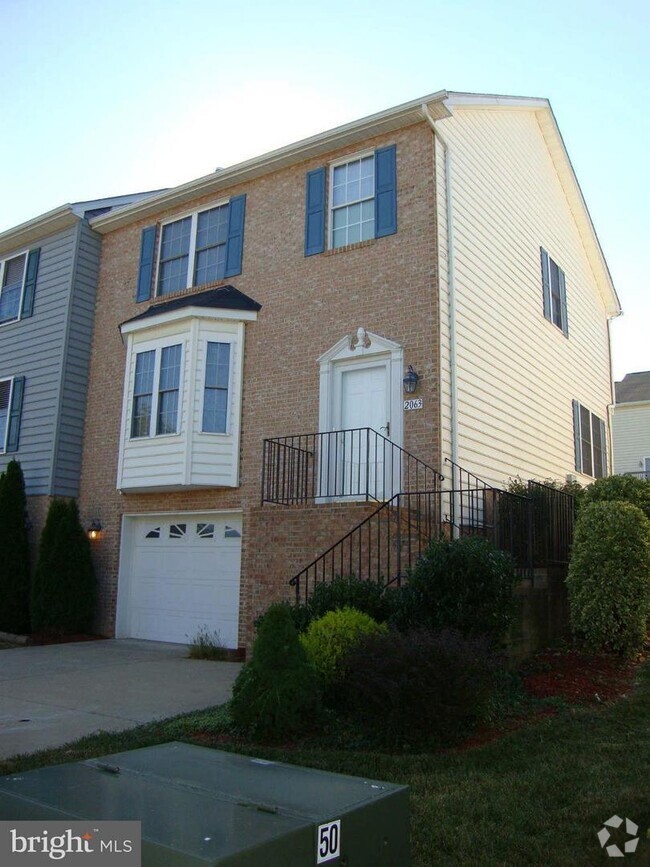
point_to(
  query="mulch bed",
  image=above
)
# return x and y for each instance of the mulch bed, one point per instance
(579, 678)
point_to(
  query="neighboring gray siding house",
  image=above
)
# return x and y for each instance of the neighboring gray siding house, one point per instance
(631, 425)
(48, 276)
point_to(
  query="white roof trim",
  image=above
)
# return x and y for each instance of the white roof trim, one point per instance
(165, 317)
(37, 228)
(348, 134)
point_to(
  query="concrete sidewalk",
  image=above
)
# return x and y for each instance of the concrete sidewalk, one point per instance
(55, 694)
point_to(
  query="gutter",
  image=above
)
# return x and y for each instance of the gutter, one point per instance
(451, 285)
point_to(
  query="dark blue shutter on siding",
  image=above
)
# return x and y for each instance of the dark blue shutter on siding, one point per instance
(235, 244)
(577, 442)
(15, 410)
(30, 283)
(563, 309)
(145, 274)
(385, 191)
(603, 442)
(315, 212)
(546, 286)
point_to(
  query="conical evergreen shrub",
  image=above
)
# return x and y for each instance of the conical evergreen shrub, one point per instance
(64, 588)
(277, 693)
(14, 552)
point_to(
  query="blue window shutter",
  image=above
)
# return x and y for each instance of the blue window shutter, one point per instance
(235, 244)
(30, 283)
(563, 309)
(546, 286)
(315, 212)
(385, 191)
(603, 442)
(15, 411)
(577, 443)
(145, 274)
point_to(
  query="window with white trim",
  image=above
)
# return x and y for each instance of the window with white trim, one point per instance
(554, 293)
(156, 390)
(590, 435)
(352, 201)
(217, 384)
(12, 281)
(193, 250)
(5, 402)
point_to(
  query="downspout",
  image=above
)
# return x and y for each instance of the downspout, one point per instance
(451, 289)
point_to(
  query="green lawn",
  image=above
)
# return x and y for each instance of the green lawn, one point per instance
(538, 796)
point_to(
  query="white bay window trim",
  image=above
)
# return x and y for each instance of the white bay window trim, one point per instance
(157, 348)
(191, 458)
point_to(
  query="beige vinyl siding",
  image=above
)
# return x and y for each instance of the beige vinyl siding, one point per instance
(443, 273)
(517, 374)
(631, 434)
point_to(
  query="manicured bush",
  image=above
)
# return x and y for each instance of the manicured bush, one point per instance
(343, 592)
(418, 689)
(464, 584)
(277, 693)
(14, 552)
(609, 576)
(629, 489)
(64, 588)
(328, 639)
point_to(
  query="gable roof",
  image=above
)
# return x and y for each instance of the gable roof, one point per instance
(437, 106)
(633, 387)
(61, 218)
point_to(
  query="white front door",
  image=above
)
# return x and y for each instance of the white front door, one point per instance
(364, 413)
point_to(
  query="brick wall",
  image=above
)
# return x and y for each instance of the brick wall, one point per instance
(388, 286)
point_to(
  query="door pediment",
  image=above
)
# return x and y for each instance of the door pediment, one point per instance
(361, 344)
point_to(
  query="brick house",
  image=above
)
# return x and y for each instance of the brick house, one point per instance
(290, 295)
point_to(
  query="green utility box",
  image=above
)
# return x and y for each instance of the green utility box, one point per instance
(202, 807)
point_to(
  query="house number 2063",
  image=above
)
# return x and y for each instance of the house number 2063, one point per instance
(328, 842)
(413, 403)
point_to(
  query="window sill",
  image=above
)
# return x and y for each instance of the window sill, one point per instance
(333, 251)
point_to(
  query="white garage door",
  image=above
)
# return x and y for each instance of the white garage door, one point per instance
(184, 576)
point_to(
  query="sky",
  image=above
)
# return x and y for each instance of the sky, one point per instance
(101, 99)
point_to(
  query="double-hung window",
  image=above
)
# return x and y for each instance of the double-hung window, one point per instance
(590, 439)
(193, 250)
(554, 293)
(12, 278)
(353, 201)
(217, 384)
(156, 390)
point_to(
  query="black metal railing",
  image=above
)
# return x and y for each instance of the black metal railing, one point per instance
(553, 518)
(382, 548)
(354, 464)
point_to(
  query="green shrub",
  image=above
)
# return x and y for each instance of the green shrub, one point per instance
(609, 576)
(343, 592)
(464, 584)
(629, 489)
(277, 693)
(64, 588)
(418, 689)
(14, 552)
(328, 639)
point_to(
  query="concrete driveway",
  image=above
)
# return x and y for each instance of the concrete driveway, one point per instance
(55, 694)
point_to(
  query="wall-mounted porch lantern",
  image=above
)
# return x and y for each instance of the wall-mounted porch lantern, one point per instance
(410, 380)
(94, 530)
